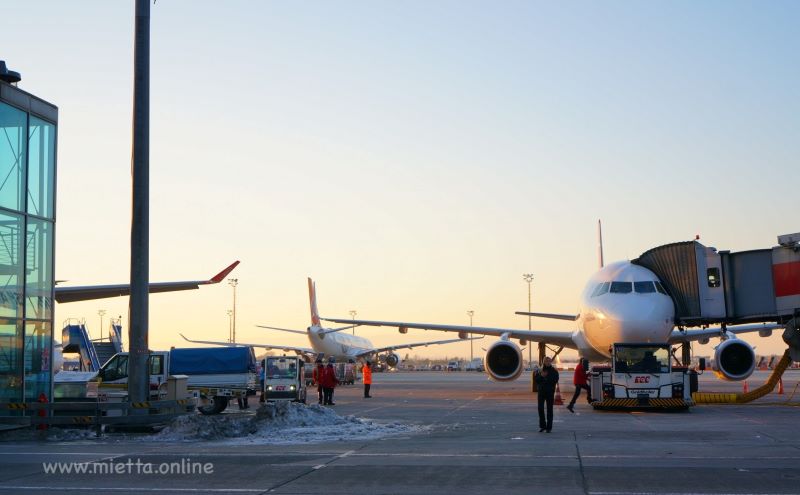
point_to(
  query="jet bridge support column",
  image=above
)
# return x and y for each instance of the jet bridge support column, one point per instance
(686, 353)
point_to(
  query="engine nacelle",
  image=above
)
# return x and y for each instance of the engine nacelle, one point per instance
(734, 360)
(392, 360)
(403, 330)
(503, 361)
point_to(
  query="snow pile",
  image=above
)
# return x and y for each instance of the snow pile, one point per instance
(52, 434)
(278, 423)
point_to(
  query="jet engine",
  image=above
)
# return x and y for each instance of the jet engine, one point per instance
(392, 360)
(503, 361)
(734, 360)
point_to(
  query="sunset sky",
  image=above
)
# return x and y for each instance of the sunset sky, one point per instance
(415, 158)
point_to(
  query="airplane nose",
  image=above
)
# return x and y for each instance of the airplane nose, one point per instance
(640, 319)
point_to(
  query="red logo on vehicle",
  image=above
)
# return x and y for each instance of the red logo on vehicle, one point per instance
(641, 379)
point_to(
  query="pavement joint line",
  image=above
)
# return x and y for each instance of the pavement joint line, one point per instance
(313, 469)
(457, 409)
(584, 484)
(131, 489)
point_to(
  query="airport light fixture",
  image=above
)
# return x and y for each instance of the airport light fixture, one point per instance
(470, 313)
(233, 282)
(353, 314)
(528, 277)
(101, 312)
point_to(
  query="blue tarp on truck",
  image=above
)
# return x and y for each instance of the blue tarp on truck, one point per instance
(211, 361)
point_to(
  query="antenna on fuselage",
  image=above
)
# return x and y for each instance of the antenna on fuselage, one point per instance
(600, 242)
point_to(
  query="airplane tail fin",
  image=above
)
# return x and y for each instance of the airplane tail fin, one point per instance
(312, 299)
(600, 242)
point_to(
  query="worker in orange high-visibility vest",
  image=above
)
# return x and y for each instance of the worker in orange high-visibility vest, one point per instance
(366, 373)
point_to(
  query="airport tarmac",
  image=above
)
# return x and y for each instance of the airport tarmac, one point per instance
(474, 436)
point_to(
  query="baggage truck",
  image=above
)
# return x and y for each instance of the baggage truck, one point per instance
(216, 374)
(284, 379)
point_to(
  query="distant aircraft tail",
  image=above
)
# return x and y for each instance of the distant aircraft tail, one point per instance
(312, 299)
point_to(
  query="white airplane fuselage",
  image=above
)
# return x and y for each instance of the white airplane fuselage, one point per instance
(340, 345)
(625, 312)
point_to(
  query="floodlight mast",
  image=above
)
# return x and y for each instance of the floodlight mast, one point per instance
(139, 379)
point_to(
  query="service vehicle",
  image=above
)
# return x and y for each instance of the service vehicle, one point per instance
(642, 376)
(284, 379)
(217, 374)
(453, 366)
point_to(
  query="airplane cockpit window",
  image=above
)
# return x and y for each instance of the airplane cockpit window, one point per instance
(660, 288)
(644, 287)
(601, 289)
(621, 287)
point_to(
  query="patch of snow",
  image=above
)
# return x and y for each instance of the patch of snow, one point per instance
(277, 423)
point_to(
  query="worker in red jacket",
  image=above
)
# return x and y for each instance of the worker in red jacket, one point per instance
(329, 382)
(316, 377)
(581, 381)
(366, 374)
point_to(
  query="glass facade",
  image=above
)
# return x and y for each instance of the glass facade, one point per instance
(27, 237)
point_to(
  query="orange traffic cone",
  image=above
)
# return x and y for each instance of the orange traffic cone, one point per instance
(559, 401)
(745, 388)
(780, 386)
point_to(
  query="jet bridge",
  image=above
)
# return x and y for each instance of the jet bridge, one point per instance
(714, 287)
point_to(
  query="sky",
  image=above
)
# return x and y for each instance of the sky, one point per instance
(415, 158)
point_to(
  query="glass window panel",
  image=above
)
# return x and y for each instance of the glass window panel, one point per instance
(644, 287)
(41, 167)
(39, 269)
(621, 287)
(603, 288)
(11, 265)
(660, 288)
(10, 361)
(13, 134)
(38, 352)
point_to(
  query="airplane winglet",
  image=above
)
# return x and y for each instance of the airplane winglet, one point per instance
(219, 277)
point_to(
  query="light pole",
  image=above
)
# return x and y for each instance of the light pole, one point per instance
(101, 312)
(233, 282)
(470, 313)
(353, 314)
(230, 326)
(528, 277)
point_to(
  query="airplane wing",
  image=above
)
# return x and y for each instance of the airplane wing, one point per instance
(679, 336)
(289, 348)
(416, 344)
(547, 336)
(88, 292)
(554, 316)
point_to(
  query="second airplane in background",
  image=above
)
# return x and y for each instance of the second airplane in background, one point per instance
(331, 342)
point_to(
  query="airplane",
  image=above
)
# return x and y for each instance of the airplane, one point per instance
(621, 303)
(330, 342)
(89, 292)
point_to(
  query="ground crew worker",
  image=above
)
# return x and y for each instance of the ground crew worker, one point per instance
(366, 375)
(581, 381)
(316, 378)
(329, 382)
(546, 380)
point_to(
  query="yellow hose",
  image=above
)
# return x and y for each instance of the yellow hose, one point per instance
(757, 393)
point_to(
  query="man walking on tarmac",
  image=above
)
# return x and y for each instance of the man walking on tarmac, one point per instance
(546, 380)
(581, 381)
(366, 374)
(316, 378)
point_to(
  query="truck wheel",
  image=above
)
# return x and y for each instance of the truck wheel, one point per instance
(213, 405)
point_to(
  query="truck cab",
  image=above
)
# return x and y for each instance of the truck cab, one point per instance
(640, 376)
(113, 375)
(284, 379)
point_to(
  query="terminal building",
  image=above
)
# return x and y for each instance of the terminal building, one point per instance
(28, 130)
